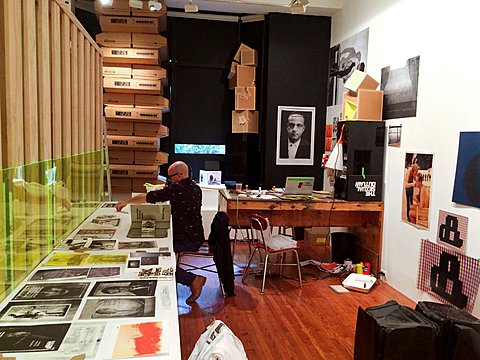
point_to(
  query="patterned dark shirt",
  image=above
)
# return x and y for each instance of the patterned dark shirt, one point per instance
(186, 200)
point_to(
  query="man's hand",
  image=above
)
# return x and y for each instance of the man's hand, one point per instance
(121, 204)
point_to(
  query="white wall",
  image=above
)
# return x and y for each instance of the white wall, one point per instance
(445, 35)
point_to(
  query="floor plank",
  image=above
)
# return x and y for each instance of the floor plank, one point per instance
(286, 322)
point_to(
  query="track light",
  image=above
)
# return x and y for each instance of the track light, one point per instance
(191, 7)
(137, 4)
(298, 6)
(154, 5)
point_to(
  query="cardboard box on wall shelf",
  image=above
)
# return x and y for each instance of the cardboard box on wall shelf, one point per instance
(151, 41)
(245, 121)
(114, 39)
(149, 72)
(117, 8)
(123, 184)
(316, 235)
(133, 142)
(139, 171)
(137, 113)
(134, 86)
(118, 99)
(244, 76)
(151, 101)
(366, 105)
(238, 54)
(117, 70)
(360, 80)
(148, 129)
(130, 56)
(121, 157)
(129, 24)
(245, 98)
(151, 158)
(119, 128)
(248, 57)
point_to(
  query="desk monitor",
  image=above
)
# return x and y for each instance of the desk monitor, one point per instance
(299, 185)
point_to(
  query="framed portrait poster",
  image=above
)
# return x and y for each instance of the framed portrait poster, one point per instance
(295, 135)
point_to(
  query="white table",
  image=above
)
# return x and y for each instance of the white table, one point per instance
(164, 310)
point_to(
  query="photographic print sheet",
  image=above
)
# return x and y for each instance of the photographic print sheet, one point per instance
(141, 339)
(137, 245)
(64, 259)
(106, 259)
(94, 234)
(57, 310)
(104, 272)
(96, 308)
(124, 288)
(57, 291)
(452, 231)
(394, 135)
(59, 274)
(31, 338)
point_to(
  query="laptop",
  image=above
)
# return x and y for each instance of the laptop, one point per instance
(298, 185)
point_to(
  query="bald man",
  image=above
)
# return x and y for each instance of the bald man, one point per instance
(185, 198)
(294, 147)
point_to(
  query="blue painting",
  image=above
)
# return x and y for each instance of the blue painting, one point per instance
(466, 190)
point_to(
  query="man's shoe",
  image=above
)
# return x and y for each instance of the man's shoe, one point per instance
(196, 288)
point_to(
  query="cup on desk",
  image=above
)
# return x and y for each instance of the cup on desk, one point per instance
(238, 186)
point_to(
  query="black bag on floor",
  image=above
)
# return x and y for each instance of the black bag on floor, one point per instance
(391, 331)
(459, 337)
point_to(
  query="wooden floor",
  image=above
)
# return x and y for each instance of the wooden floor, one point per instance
(286, 322)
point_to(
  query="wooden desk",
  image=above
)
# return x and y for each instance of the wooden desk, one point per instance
(364, 219)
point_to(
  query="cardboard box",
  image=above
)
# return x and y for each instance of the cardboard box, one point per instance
(208, 177)
(130, 56)
(150, 115)
(138, 184)
(316, 235)
(248, 57)
(360, 80)
(116, 99)
(117, 70)
(245, 98)
(149, 129)
(151, 158)
(123, 184)
(129, 24)
(117, 8)
(244, 76)
(121, 157)
(238, 54)
(363, 105)
(152, 101)
(245, 121)
(133, 86)
(233, 70)
(124, 128)
(148, 72)
(148, 41)
(114, 39)
(132, 142)
(139, 171)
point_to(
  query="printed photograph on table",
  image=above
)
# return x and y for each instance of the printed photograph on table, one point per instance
(59, 274)
(94, 234)
(103, 272)
(295, 135)
(109, 220)
(141, 339)
(124, 288)
(137, 244)
(452, 231)
(61, 259)
(109, 205)
(107, 259)
(30, 338)
(61, 310)
(87, 245)
(466, 188)
(44, 291)
(417, 189)
(118, 308)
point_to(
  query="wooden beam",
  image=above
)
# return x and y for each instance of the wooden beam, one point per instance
(81, 93)
(66, 87)
(74, 87)
(55, 39)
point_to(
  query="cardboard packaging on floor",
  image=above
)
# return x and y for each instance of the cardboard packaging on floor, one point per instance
(133, 142)
(316, 235)
(130, 24)
(245, 121)
(141, 171)
(114, 39)
(245, 98)
(363, 105)
(119, 128)
(132, 86)
(150, 115)
(150, 158)
(130, 56)
(121, 157)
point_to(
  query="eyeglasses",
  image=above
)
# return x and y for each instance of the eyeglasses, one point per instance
(172, 175)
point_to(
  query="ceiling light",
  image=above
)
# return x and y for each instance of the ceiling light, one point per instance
(154, 5)
(137, 4)
(298, 6)
(106, 2)
(191, 7)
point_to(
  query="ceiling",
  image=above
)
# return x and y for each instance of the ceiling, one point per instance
(315, 7)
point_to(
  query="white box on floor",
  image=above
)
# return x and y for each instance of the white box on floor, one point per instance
(208, 177)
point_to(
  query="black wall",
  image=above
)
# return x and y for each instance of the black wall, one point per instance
(295, 74)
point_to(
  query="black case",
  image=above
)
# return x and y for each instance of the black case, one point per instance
(391, 331)
(459, 337)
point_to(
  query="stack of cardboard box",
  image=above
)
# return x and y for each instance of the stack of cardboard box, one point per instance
(133, 87)
(242, 80)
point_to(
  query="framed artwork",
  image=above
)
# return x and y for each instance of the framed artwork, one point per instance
(295, 135)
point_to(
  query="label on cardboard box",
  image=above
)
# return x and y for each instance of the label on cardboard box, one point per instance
(117, 99)
(154, 41)
(143, 171)
(151, 101)
(136, 86)
(130, 56)
(117, 70)
(114, 39)
(145, 114)
(148, 72)
(129, 24)
(133, 142)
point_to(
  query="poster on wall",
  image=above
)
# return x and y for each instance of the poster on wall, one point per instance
(400, 90)
(416, 189)
(394, 135)
(348, 55)
(295, 135)
(448, 276)
(466, 189)
(452, 231)
(334, 114)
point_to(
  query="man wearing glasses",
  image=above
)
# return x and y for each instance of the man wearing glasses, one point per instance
(185, 198)
(294, 147)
